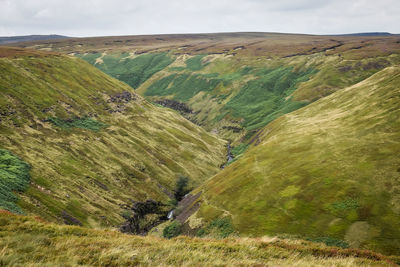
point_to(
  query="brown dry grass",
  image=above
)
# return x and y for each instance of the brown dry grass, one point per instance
(26, 241)
(244, 44)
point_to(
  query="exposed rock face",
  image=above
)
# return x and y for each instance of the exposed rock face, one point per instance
(101, 185)
(234, 129)
(187, 206)
(118, 101)
(178, 106)
(123, 97)
(145, 216)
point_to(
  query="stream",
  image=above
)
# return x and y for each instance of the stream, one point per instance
(229, 155)
(134, 224)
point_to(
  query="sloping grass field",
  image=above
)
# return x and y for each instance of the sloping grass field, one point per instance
(329, 170)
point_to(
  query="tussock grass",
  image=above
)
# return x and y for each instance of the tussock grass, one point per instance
(83, 123)
(14, 177)
(28, 241)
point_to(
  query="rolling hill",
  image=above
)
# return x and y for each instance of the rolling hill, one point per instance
(29, 38)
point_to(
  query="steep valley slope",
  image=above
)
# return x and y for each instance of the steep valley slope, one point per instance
(329, 171)
(88, 142)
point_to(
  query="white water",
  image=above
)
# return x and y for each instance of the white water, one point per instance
(170, 215)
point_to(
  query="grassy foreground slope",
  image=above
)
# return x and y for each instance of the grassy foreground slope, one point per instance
(29, 241)
(92, 144)
(329, 171)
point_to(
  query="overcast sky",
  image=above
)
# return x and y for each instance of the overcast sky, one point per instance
(124, 17)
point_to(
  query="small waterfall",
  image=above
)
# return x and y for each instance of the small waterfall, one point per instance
(170, 215)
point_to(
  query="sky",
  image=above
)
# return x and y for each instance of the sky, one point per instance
(81, 18)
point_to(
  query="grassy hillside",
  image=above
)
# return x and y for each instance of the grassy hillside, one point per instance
(329, 171)
(235, 93)
(29, 241)
(235, 83)
(128, 68)
(92, 144)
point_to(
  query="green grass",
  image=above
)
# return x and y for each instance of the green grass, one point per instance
(172, 230)
(182, 86)
(90, 57)
(133, 71)
(83, 123)
(239, 149)
(328, 170)
(14, 177)
(217, 228)
(195, 63)
(262, 100)
(341, 208)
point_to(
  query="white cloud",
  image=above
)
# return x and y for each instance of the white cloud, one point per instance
(119, 17)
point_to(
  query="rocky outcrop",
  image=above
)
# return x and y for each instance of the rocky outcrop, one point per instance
(118, 101)
(123, 97)
(178, 106)
(187, 206)
(234, 129)
(69, 219)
